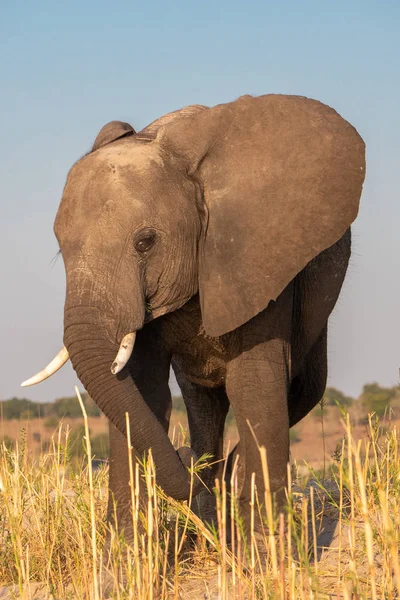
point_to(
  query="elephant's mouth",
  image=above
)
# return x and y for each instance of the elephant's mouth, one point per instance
(122, 358)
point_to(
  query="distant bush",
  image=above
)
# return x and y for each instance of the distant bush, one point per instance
(51, 422)
(28, 414)
(377, 399)
(294, 436)
(68, 406)
(332, 397)
(317, 411)
(15, 408)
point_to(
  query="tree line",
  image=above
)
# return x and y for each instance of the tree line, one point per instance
(22, 408)
(373, 398)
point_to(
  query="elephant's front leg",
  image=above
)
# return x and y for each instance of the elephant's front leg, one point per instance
(258, 381)
(207, 409)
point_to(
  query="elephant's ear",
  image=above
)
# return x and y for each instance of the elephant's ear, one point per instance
(111, 132)
(281, 178)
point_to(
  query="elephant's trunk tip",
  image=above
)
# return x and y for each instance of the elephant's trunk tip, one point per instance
(124, 353)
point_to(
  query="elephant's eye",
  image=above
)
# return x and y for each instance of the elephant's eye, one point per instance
(145, 240)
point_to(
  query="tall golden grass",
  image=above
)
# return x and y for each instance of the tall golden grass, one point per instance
(52, 531)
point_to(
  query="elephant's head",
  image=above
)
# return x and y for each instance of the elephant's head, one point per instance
(128, 227)
(231, 202)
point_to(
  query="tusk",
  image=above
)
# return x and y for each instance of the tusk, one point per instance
(124, 353)
(53, 366)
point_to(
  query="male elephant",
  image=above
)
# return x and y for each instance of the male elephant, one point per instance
(216, 240)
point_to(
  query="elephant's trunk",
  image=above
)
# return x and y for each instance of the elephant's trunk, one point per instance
(92, 354)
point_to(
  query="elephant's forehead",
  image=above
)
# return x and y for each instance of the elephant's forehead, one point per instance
(140, 156)
(140, 159)
(107, 183)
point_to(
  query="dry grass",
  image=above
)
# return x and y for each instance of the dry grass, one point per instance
(338, 538)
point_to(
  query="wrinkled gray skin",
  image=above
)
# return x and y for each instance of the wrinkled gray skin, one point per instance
(221, 236)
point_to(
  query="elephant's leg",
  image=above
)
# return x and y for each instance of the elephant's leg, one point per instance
(207, 409)
(307, 388)
(257, 387)
(316, 290)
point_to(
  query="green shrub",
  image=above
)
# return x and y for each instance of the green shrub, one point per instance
(375, 398)
(68, 406)
(333, 397)
(294, 436)
(51, 422)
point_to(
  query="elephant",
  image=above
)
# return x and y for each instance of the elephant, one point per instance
(216, 241)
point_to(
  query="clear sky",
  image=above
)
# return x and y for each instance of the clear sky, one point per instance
(67, 68)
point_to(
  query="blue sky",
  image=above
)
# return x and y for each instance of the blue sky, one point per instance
(68, 68)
